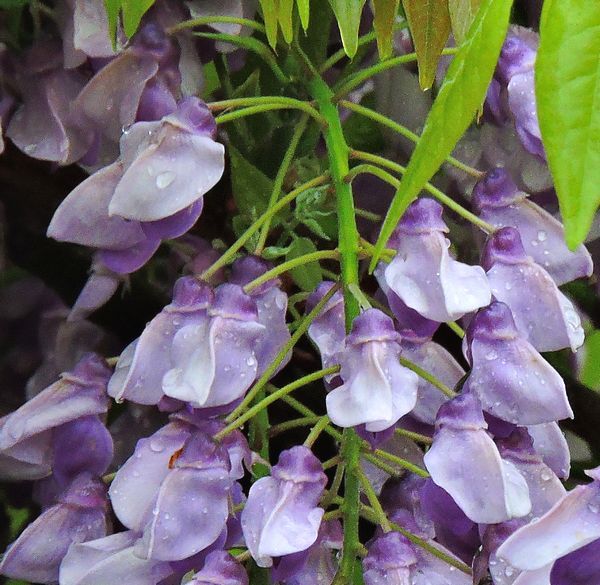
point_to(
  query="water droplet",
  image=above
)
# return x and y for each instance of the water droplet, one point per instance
(29, 148)
(250, 361)
(156, 446)
(593, 508)
(542, 236)
(163, 180)
(491, 355)
(508, 571)
(545, 475)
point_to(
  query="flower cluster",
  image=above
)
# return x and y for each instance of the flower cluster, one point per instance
(437, 403)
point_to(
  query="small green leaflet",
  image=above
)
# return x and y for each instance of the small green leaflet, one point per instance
(348, 13)
(567, 74)
(309, 275)
(270, 16)
(304, 11)
(132, 13)
(429, 23)
(460, 96)
(462, 14)
(384, 16)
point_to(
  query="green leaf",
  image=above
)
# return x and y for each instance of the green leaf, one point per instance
(590, 370)
(460, 96)
(308, 276)
(285, 13)
(251, 187)
(211, 78)
(133, 11)
(274, 252)
(384, 16)
(304, 11)
(462, 15)
(429, 23)
(270, 16)
(348, 13)
(113, 7)
(567, 74)
(317, 213)
(9, 4)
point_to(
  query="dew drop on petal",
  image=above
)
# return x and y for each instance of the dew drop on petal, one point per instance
(163, 180)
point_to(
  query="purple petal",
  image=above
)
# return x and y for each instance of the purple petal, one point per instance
(176, 225)
(221, 568)
(581, 567)
(130, 260)
(549, 441)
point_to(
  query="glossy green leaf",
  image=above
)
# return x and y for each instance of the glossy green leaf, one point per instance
(384, 16)
(304, 11)
(285, 13)
(251, 187)
(270, 16)
(309, 275)
(429, 23)
(462, 15)
(113, 7)
(133, 11)
(589, 373)
(460, 96)
(347, 14)
(568, 100)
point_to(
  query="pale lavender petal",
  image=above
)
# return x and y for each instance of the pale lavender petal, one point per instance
(96, 292)
(82, 218)
(222, 569)
(391, 560)
(571, 524)
(464, 461)
(512, 380)
(176, 225)
(549, 441)
(110, 560)
(130, 260)
(133, 490)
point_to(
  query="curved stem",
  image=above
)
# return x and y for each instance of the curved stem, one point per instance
(279, 179)
(202, 20)
(230, 253)
(291, 264)
(401, 462)
(268, 373)
(316, 431)
(428, 377)
(294, 423)
(404, 131)
(290, 103)
(374, 501)
(439, 195)
(253, 411)
(417, 437)
(355, 80)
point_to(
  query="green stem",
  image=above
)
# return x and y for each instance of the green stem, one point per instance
(268, 373)
(401, 462)
(456, 328)
(229, 255)
(251, 111)
(357, 79)
(280, 178)
(338, 153)
(291, 264)
(315, 432)
(404, 131)
(254, 410)
(417, 437)
(202, 20)
(294, 423)
(428, 377)
(374, 501)
(439, 195)
(332, 492)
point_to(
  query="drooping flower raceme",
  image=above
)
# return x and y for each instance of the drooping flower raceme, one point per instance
(544, 316)
(424, 275)
(281, 515)
(512, 380)
(376, 389)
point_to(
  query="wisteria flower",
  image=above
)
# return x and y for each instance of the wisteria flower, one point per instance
(464, 461)
(282, 516)
(512, 380)
(544, 316)
(499, 202)
(424, 275)
(376, 389)
(220, 568)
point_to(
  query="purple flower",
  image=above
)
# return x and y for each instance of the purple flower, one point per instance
(464, 461)
(79, 516)
(376, 389)
(214, 362)
(550, 443)
(328, 329)
(436, 360)
(512, 380)
(560, 537)
(271, 303)
(110, 560)
(143, 364)
(174, 491)
(26, 450)
(45, 126)
(498, 201)
(424, 275)
(220, 569)
(515, 71)
(544, 316)
(281, 516)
